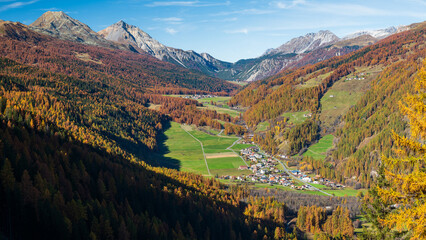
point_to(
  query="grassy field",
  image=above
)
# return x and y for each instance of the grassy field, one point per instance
(295, 117)
(345, 192)
(344, 94)
(239, 83)
(313, 82)
(319, 186)
(154, 106)
(213, 144)
(318, 150)
(225, 163)
(231, 112)
(187, 151)
(182, 147)
(238, 147)
(263, 126)
(218, 100)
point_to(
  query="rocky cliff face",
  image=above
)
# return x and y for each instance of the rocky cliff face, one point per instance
(124, 33)
(297, 52)
(60, 25)
(309, 42)
(379, 34)
(289, 54)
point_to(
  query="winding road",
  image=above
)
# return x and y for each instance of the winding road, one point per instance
(297, 179)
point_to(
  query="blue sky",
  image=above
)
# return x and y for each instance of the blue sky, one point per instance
(227, 29)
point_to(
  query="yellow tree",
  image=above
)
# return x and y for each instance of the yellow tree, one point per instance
(406, 174)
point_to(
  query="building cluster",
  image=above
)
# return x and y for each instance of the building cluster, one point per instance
(355, 78)
(197, 97)
(264, 170)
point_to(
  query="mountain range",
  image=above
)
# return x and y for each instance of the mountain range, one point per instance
(299, 51)
(85, 120)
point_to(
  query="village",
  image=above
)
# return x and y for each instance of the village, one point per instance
(265, 170)
(197, 96)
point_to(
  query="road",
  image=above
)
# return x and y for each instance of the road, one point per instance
(297, 179)
(230, 148)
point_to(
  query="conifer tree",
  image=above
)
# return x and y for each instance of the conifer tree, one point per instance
(405, 191)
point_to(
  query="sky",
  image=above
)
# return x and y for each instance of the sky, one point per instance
(228, 30)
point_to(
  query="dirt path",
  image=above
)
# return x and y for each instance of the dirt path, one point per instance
(221, 155)
(230, 148)
(202, 148)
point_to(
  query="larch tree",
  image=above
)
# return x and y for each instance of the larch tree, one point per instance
(405, 192)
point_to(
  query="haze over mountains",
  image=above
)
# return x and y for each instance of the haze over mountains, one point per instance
(299, 51)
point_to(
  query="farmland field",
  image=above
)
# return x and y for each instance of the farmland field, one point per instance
(263, 126)
(296, 117)
(184, 148)
(318, 150)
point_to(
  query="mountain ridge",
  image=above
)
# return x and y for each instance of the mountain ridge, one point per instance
(62, 26)
(299, 51)
(122, 32)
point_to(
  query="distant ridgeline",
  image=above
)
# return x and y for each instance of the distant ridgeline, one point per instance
(372, 80)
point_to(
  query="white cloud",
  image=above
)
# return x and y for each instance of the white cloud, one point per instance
(233, 19)
(288, 4)
(171, 31)
(50, 9)
(251, 11)
(169, 20)
(187, 4)
(356, 10)
(16, 5)
(422, 2)
(348, 10)
(282, 30)
(238, 31)
(175, 3)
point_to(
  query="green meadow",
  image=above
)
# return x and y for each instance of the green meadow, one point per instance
(295, 117)
(187, 151)
(319, 149)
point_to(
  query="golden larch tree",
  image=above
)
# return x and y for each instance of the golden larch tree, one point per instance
(406, 173)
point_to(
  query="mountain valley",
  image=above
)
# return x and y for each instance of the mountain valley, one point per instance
(114, 135)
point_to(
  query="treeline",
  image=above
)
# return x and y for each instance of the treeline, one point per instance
(301, 136)
(184, 91)
(186, 111)
(314, 220)
(295, 200)
(91, 113)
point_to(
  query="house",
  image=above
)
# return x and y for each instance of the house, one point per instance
(306, 179)
(243, 167)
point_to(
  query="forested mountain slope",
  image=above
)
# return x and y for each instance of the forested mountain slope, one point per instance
(72, 142)
(55, 187)
(374, 78)
(115, 66)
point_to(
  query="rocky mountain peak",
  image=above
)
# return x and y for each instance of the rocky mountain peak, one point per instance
(128, 34)
(60, 25)
(60, 22)
(309, 42)
(379, 34)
